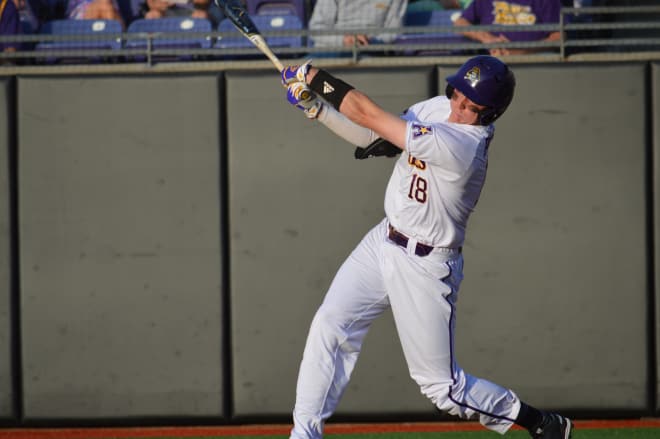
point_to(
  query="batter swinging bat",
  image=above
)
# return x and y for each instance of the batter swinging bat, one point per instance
(234, 10)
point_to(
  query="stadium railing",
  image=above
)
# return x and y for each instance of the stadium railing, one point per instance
(588, 33)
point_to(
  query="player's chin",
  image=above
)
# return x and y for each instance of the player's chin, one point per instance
(462, 120)
(467, 119)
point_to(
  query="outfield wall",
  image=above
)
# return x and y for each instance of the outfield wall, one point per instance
(175, 234)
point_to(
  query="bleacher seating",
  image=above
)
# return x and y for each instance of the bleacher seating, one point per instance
(278, 7)
(93, 35)
(434, 18)
(169, 25)
(266, 24)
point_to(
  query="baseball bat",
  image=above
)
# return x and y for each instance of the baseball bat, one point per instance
(236, 13)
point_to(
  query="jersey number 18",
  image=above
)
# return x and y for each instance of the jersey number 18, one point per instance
(418, 187)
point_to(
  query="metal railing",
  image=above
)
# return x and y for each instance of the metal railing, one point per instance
(584, 36)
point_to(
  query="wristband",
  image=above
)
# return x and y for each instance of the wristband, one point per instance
(332, 89)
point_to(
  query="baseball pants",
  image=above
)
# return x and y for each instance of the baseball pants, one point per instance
(422, 293)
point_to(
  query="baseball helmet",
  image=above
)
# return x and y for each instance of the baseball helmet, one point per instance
(487, 81)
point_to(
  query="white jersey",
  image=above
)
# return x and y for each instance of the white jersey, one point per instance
(437, 180)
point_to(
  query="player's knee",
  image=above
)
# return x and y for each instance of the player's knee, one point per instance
(443, 390)
(329, 324)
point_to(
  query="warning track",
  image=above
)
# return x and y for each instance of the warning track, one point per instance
(268, 430)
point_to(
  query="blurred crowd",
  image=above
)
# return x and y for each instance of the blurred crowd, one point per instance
(28, 16)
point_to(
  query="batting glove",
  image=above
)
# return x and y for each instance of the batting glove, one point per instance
(299, 95)
(292, 74)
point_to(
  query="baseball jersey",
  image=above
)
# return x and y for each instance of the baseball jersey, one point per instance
(517, 13)
(437, 180)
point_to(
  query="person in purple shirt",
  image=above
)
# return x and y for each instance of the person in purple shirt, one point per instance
(511, 13)
(9, 25)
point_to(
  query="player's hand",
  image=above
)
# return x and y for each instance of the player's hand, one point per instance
(299, 95)
(292, 74)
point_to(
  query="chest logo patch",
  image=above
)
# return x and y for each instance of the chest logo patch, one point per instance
(420, 130)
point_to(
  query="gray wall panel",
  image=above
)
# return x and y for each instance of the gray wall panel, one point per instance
(555, 292)
(120, 258)
(6, 389)
(299, 203)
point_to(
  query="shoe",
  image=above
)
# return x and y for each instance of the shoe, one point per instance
(553, 426)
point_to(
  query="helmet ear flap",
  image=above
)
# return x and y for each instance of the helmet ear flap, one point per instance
(488, 116)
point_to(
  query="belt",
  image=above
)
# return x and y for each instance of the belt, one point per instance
(421, 249)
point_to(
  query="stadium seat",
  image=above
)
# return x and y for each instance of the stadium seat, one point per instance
(93, 35)
(434, 18)
(278, 7)
(269, 25)
(142, 32)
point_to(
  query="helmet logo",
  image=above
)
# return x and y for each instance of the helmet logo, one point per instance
(473, 76)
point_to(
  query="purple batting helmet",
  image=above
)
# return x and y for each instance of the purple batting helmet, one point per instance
(487, 81)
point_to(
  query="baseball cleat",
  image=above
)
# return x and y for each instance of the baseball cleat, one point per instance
(553, 426)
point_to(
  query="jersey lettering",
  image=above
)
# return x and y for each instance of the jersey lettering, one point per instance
(419, 164)
(510, 13)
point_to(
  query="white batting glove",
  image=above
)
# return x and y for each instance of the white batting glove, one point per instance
(302, 97)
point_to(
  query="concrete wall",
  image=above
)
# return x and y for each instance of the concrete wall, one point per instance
(127, 186)
(298, 203)
(120, 247)
(555, 296)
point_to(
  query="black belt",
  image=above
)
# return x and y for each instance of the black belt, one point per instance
(402, 240)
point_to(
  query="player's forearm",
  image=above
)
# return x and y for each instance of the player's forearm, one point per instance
(358, 107)
(345, 128)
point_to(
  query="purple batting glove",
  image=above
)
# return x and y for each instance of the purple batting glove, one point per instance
(295, 73)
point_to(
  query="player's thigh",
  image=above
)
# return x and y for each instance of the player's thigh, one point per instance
(358, 290)
(423, 308)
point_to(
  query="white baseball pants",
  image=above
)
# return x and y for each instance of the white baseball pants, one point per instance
(422, 293)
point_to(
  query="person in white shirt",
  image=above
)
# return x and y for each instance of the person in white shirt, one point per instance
(348, 15)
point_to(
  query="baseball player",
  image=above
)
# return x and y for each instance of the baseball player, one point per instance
(412, 260)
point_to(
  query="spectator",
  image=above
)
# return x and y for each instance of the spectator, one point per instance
(518, 12)
(356, 14)
(93, 10)
(178, 8)
(29, 21)
(9, 25)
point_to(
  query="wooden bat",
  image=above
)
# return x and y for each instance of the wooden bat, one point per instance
(236, 13)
